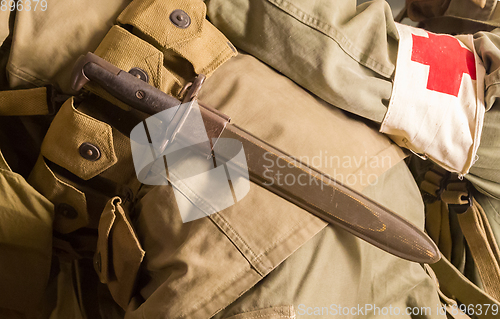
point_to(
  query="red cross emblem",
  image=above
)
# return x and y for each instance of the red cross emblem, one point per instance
(447, 59)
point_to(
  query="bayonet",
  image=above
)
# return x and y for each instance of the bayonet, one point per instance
(324, 197)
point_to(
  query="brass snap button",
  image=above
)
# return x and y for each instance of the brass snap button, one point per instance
(180, 18)
(89, 152)
(66, 211)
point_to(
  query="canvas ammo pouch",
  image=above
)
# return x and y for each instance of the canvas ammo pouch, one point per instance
(85, 165)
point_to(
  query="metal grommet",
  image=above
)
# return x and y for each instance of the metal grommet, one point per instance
(97, 262)
(140, 74)
(180, 18)
(89, 152)
(66, 211)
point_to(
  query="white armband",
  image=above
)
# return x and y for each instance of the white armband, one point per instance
(437, 102)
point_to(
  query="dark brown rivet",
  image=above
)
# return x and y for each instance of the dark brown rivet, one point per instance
(180, 18)
(140, 94)
(89, 152)
(66, 211)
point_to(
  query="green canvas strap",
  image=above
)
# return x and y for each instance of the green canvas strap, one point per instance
(478, 234)
(483, 247)
(450, 279)
(437, 217)
(451, 193)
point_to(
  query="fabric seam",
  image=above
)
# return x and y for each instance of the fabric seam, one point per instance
(333, 34)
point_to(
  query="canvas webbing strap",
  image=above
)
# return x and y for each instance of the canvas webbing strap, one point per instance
(450, 279)
(478, 234)
(450, 305)
(483, 247)
(437, 225)
(437, 219)
(455, 197)
(24, 102)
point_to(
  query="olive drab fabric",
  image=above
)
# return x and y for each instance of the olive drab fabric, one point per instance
(482, 10)
(123, 259)
(4, 25)
(339, 51)
(55, 145)
(420, 10)
(319, 46)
